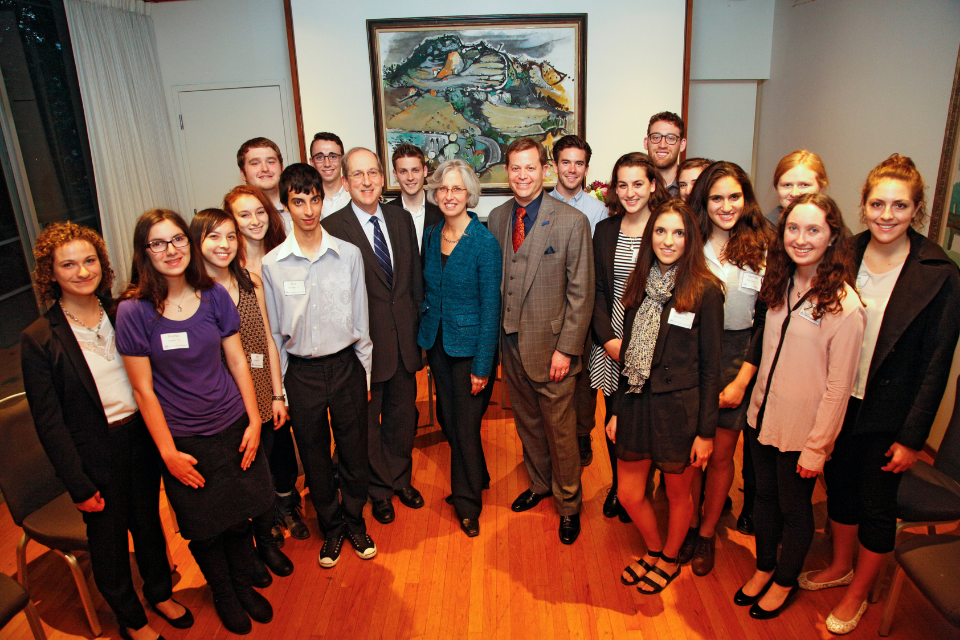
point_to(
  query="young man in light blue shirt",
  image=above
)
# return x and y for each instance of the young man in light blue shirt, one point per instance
(317, 306)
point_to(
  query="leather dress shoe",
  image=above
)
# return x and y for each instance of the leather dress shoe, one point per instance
(527, 500)
(611, 506)
(703, 555)
(586, 450)
(410, 497)
(569, 528)
(470, 526)
(274, 559)
(743, 600)
(689, 545)
(745, 524)
(383, 512)
(759, 613)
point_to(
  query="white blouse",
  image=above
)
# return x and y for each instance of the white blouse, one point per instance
(106, 365)
(875, 290)
(742, 289)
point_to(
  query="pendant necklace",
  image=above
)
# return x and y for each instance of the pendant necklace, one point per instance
(100, 340)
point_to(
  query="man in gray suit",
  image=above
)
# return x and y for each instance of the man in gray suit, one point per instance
(547, 290)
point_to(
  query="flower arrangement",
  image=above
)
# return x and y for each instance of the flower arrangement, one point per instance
(598, 190)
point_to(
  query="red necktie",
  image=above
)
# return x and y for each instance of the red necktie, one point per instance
(519, 232)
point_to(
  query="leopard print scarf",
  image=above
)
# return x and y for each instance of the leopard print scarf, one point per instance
(646, 327)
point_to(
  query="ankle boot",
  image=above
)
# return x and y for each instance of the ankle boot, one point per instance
(268, 553)
(290, 515)
(212, 561)
(239, 551)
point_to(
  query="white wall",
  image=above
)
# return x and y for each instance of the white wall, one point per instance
(622, 91)
(721, 120)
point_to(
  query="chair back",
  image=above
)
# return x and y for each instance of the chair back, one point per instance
(27, 478)
(948, 455)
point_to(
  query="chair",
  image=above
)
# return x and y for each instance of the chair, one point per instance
(929, 495)
(38, 501)
(13, 600)
(933, 564)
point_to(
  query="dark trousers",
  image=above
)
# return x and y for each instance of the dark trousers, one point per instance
(392, 428)
(779, 486)
(748, 474)
(462, 417)
(131, 502)
(278, 445)
(584, 396)
(859, 492)
(338, 383)
(611, 447)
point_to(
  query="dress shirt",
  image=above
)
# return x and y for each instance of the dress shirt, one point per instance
(419, 216)
(741, 297)
(330, 314)
(532, 211)
(287, 220)
(335, 202)
(585, 204)
(367, 225)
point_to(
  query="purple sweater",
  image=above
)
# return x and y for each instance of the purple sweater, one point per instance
(196, 391)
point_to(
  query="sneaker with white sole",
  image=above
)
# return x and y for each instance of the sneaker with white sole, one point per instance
(362, 544)
(330, 551)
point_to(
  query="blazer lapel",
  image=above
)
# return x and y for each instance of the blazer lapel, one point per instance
(664, 330)
(612, 254)
(357, 236)
(398, 242)
(65, 336)
(539, 241)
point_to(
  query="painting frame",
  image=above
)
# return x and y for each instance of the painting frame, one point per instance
(477, 111)
(944, 226)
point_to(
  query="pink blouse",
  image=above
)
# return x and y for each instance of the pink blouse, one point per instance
(813, 380)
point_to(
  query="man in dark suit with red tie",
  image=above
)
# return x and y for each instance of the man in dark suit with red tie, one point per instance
(387, 240)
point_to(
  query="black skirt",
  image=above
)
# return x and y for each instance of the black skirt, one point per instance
(735, 345)
(660, 427)
(229, 494)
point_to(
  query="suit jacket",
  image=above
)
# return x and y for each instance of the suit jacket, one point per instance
(557, 291)
(604, 250)
(911, 361)
(432, 214)
(65, 404)
(686, 358)
(464, 294)
(394, 312)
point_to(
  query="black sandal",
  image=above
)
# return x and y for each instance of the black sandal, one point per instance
(657, 588)
(644, 564)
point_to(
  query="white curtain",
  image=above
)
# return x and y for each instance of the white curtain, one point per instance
(126, 114)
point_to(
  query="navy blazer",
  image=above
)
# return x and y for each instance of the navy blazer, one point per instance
(65, 403)
(464, 294)
(911, 361)
(685, 358)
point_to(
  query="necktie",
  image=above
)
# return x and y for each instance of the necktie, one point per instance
(519, 230)
(380, 248)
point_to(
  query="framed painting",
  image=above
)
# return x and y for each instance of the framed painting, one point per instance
(945, 217)
(466, 87)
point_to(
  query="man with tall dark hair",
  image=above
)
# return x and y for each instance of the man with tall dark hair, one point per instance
(326, 152)
(666, 140)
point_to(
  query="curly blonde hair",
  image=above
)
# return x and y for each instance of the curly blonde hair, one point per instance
(55, 236)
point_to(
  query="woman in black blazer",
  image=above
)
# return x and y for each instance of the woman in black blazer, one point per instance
(911, 290)
(665, 411)
(87, 420)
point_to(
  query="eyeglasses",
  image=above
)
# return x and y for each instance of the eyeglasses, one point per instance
(671, 138)
(456, 191)
(373, 174)
(159, 246)
(321, 158)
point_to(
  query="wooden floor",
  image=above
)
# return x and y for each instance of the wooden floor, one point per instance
(513, 581)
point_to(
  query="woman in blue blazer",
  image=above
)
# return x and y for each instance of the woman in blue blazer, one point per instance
(459, 327)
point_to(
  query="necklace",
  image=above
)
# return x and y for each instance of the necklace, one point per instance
(179, 308)
(444, 236)
(101, 341)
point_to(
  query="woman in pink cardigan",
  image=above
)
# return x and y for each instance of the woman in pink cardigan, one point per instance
(811, 349)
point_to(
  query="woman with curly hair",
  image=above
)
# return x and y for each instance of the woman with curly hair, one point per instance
(811, 347)
(86, 416)
(172, 323)
(911, 289)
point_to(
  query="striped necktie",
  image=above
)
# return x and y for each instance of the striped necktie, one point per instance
(380, 248)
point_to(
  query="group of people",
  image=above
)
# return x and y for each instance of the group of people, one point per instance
(301, 309)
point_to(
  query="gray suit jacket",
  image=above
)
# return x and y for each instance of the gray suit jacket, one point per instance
(557, 291)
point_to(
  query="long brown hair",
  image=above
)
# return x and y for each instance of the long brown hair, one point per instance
(203, 225)
(751, 234)
(693, 274)
(145, 282)
(642, 160)
(901, 169)
(835, 268)
(276, 232)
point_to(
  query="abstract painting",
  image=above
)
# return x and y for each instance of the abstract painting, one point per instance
(945, 218)
(466, 87)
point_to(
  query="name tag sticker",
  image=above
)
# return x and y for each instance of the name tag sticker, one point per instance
(806, 312)
(174, 341)
(862, 280)
(750, 280)
(684, 320)
(256, 360)
(294, 288)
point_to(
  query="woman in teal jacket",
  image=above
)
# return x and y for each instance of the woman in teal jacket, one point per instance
(459, 328)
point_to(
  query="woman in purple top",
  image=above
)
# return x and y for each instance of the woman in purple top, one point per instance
(171, 325)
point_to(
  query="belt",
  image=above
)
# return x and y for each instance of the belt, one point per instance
(307, 360)
(130, 418)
